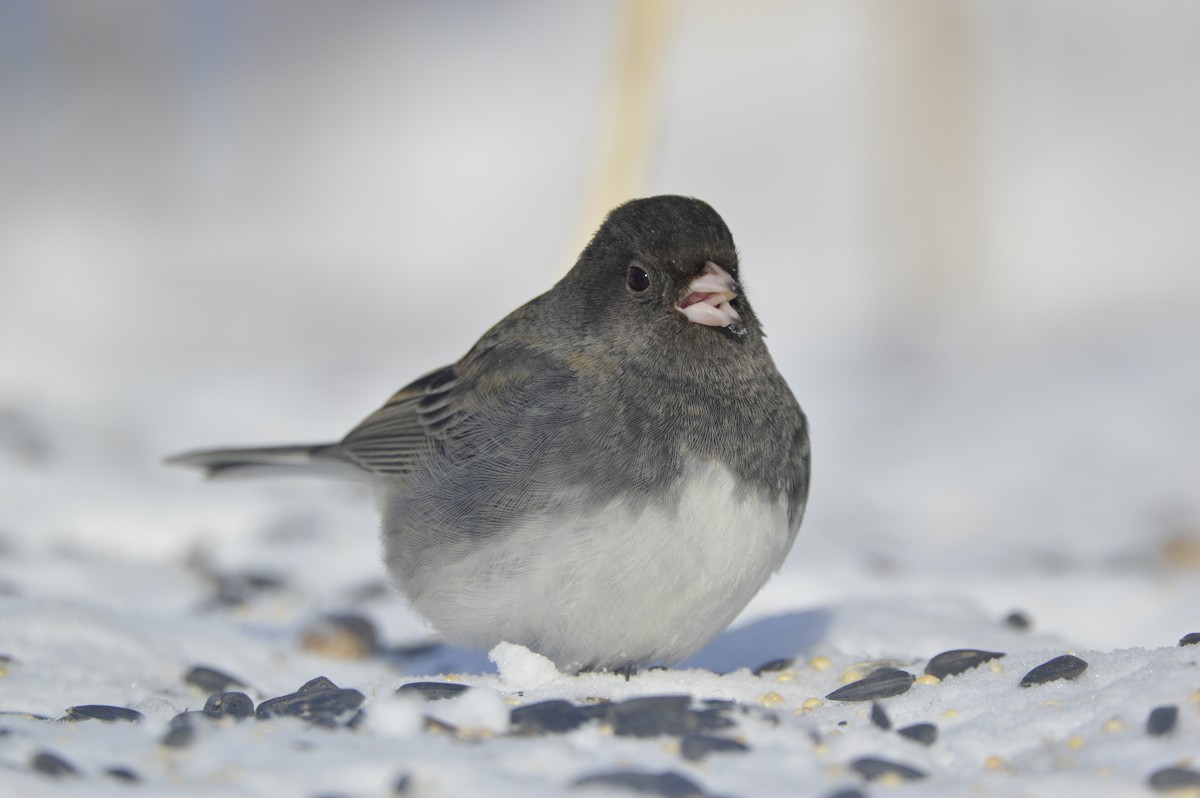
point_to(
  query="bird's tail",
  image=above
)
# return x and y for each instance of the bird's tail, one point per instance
(322, 459)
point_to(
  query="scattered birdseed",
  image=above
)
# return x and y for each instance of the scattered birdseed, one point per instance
(923, 733)
(821, 663)
(1190, 639)
(667, 784)
(403, 785)
(1174, 778)
(341, 636)
(770, 699)
(52, 765)
(211, 680)
(1162, 720)
(318, 701)
(810, 704)
(233, 705)
(879, 717)
(949, 713)
(959, 660)
(872, 768)
(883, 683)
(927, 680)
(1075, 742)
(774, 665)
(695, 747)
(1067, 666)
(432, 691)
(1114, 725)
(547, 717)
(993, 763)
(103, 713)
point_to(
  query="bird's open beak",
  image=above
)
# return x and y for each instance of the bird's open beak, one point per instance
(707, 299)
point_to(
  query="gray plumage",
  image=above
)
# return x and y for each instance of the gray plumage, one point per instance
(600, 477)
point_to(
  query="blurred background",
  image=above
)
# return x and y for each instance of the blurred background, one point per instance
(972, 230)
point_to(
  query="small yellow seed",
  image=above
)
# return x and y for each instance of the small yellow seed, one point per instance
(821, 663)
(770, 699)
(1114, 725)
(994, 666)
(1052, 703)
(452, 677)
(1075, 742)
(950, 713)
(993, 763)
(891, 779)
(851, 675)
(786, 676)
(810, 704)
(928, 678)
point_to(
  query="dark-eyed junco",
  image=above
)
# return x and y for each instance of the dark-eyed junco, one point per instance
(612, 471)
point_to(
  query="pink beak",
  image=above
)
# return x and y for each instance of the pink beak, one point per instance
(708, 296)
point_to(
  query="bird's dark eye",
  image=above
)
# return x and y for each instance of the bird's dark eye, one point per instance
(637, 279)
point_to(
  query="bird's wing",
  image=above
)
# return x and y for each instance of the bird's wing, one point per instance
(394, 437)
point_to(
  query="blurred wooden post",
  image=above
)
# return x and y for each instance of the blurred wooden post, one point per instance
(629, 113)
(927, 141)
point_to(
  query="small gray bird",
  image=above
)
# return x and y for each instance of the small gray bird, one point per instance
(608, 476)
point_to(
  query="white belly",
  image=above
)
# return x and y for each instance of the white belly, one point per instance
(627, 583)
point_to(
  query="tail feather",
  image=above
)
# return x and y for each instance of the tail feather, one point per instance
(322, 459)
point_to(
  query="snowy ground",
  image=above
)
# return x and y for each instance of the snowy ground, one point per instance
(239, 576)
(253, 232)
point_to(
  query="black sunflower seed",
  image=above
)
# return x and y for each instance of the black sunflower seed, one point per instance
(181, 731)
(668, 784)
(650, 716)
(1162, 720)
(880, 718)
(103, 713)
(547, 717)
(433, 691)
(959, 660)
(1190, 639)
(923, 733)
(1018, 620)
(695, 747)
(1174, 778)
(871, 768)
(318, 701)
(211, 680)
(883, 683)
(122, 773)
(774, 665)
(233, 705)
(1065, 667)
(52, 765)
